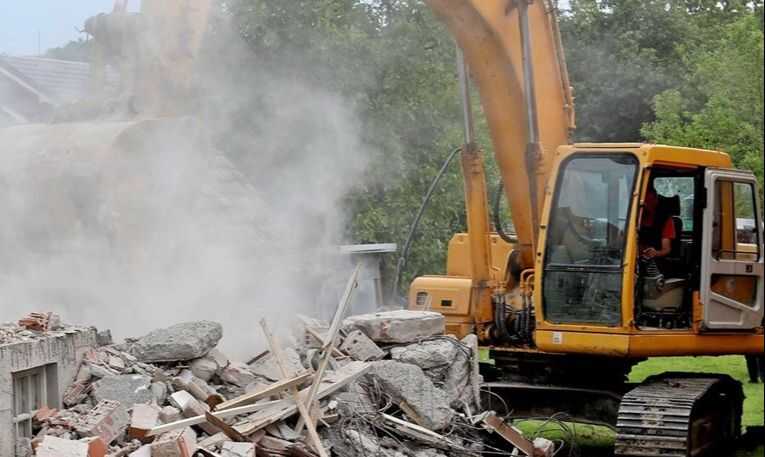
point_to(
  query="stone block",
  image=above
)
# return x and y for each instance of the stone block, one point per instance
(401, 326)
(428, 354)
(266, 366)
(191, 407)
(361, 347)
(208, 366)
(414, 393)
(128, 389)
(180, 342)
(57, 447)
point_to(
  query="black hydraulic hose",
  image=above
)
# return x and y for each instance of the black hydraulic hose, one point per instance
(401, 263)
(497, 222)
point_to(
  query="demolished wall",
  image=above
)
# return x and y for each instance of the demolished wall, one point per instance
(58, 352)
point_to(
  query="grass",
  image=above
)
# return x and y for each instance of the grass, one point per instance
(593, 437)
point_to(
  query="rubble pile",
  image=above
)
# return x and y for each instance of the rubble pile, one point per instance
(388, 384)
(33, 327)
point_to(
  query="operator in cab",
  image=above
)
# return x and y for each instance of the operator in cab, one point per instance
(657, 230)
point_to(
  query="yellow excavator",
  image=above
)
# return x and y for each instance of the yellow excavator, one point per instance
(620, 251)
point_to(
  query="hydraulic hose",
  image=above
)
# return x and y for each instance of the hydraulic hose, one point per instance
(401, 263)
(497, 222)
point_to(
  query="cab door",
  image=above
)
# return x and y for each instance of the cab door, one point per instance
(732, 257)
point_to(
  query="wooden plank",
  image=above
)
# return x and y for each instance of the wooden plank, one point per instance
(229, 431)
(219, 414)
(276, 350)
(510, 434)
(332, 383)
(421, 433)
(268, 391)
(329, 345)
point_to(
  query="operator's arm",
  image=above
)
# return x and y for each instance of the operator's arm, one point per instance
(667, 235)
(666, 248)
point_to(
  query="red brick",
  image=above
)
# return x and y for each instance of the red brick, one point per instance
(107, 420)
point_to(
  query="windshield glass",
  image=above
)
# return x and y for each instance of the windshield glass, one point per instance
(586, 238)
(589, 217)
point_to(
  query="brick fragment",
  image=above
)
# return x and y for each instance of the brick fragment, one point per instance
(176, 443)
(142, 419)
(108, 420)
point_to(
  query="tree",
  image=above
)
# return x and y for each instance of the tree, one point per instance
(720, 104)
(78, 50)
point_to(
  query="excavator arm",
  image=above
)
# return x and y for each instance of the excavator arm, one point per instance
(513, 51)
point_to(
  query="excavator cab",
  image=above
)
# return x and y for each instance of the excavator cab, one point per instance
(608, 204)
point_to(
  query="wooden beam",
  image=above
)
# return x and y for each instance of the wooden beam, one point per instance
(332, 383)
(265, 392)
(510, 434)
(276, 350)
(329, 345)
(227, 430)
(421, 433)
(219, 414)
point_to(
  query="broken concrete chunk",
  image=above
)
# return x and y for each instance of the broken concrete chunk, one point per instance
(128, 389)
(196, 387)
(204, 368)
(108, 420)
(414, 393)
(361, 347)
(208, 366)
(57, 447)
(266, 366)
(428, 354)
(142, 419)
(234, 449)
(471, 341)
(401, 326)
(355, 400)
(191, 407)
(143, 451)
(180, 399)
(169, 414)
(238, 374)
(176, 443)
(180, 342)
(213, 441)
(543, 447)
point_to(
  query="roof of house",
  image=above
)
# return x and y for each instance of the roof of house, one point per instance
(60, 81)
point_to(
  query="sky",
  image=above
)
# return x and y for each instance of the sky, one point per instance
(56, 22)
(53, 22)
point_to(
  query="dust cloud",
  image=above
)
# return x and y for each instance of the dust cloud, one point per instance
(231, 212)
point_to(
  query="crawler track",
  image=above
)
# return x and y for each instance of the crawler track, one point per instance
(679, 415)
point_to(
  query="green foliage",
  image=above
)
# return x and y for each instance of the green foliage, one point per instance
(720, 103)
(687, 72)
(78, 50)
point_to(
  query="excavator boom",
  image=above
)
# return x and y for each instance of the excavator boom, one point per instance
(492, 36)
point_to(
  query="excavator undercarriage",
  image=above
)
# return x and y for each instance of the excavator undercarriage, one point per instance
(667, 415)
